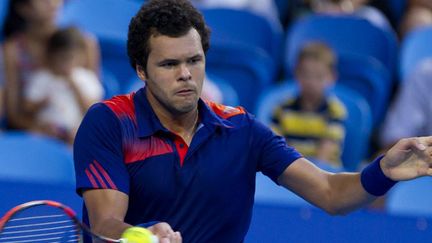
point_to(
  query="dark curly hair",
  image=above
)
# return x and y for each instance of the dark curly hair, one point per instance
(173, 18)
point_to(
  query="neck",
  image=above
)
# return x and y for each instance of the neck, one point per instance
(39, 31)
(310, 103)
(182, 124)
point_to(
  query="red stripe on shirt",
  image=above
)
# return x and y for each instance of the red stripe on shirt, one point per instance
(141, 149)
(91, 179)
(122, 105)
(98, 177)
(225, 112)
(105, 175)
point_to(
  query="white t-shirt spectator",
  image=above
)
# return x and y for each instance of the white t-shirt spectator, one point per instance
(62, 108)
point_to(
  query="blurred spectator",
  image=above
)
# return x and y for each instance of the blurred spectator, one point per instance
(266, 8)
(355, 7)
(28, 25)
(62, 91)
(211, 91)
(312, 121)
(419, 14)
(411, 112)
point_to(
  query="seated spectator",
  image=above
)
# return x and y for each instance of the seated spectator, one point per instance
(62, 91)
(411, 112)
(419, 14)
(357, 8)
(266, 8)
(27, 26)
(312, 121)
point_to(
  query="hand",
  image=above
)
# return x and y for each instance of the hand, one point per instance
(408, 159)
(165, 233)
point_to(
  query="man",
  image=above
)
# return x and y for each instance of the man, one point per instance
(162, 154)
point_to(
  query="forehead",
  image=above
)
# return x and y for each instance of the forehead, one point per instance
(188, 45)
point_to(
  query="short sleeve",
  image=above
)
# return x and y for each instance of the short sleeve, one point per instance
(274, 155)
(98, 153)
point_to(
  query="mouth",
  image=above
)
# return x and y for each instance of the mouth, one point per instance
(185, 92)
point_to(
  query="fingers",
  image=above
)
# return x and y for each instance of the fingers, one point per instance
(165, 233)
(426, 140)
(173, 238)
(417, 143)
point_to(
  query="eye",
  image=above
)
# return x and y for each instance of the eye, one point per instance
(168, 64)
(194, 60)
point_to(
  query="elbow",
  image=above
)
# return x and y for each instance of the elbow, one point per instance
(335, 211)
(334, 207)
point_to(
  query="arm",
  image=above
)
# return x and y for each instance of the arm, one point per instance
(12, 87)
(83, 102)
(92, 52)
(343, 192)
(98, 151)
(328, 150)
(107, 209)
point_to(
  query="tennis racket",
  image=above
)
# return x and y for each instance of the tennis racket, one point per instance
(45, 221)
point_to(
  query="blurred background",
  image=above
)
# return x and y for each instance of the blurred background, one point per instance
(341, 79)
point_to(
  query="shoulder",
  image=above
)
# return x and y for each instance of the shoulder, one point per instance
(336, 107)
(224, 111)
(122, 105)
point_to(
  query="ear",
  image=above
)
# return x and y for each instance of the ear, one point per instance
(141, 73)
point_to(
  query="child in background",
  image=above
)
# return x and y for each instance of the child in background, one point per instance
(312, 120)
(62, 91)
(27, 26)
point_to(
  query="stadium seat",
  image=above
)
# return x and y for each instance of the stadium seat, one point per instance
(369, 78)
(110, 83)
(411, 198)
(108, 20)
(414, 48)
(344, 34)
(33, 167)
(101, 17)
(247, 69)
(230, 96)
(358, 123)
(246, 27)
(116, 60)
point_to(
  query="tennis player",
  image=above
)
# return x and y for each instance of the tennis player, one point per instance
(164, 159)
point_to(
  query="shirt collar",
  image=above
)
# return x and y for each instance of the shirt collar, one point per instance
(149, 123)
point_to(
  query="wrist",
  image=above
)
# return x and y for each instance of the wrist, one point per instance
(373, 179)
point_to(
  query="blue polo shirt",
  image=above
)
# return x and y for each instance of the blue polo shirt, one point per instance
(205, 191)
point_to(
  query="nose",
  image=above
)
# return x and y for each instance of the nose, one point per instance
(184, 73)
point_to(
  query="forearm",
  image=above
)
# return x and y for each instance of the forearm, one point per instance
(106, 210)
(110, 227)
(346, 193)
(335, 193)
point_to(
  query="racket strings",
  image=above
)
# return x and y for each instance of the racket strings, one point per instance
(37, 225)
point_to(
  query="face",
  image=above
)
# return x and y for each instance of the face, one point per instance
(313, 77)
(41, 10)
(175, 72)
